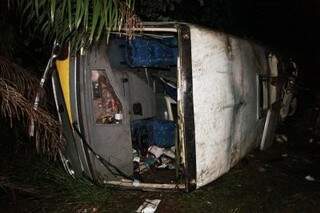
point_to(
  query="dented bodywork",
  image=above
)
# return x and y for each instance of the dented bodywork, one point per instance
(226, 74)
(228, 99)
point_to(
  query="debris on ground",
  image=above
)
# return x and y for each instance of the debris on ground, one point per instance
(281, 138)
(149, 206)
(166, 162)
(261, 169)
(156, 151)
(310, 178)
(136, 183)
(153, 145)
(156, 157)
(136, 157)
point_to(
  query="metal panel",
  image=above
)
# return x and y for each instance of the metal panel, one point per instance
(185, 103)
(224, 95)
(75, 69)
(111, 141)
(69, 156)
(140, 92)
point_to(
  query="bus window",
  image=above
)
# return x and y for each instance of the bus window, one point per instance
(106, 105)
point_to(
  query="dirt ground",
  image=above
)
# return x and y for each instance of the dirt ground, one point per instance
(270, 181)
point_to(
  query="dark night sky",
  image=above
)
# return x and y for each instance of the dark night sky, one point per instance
(287, 25)
(290, 26)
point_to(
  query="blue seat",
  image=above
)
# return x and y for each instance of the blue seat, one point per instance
(154, 131)
(148, 52)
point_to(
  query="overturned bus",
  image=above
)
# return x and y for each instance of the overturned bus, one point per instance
(174, 106)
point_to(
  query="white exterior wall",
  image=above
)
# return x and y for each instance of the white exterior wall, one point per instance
(225, 100)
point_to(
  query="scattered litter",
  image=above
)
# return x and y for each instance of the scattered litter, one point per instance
(261, 169)
(136, 157)
(124, 180)
(150, 160)
(149, 206)
(166, 162)
(162, 166)
(171, 166)
(309, 178)
(147, 163)
(281, 138)
(136, 183)
(284, 155)
(156, 157)
(156, 151)
(143, 168)
(170, 152)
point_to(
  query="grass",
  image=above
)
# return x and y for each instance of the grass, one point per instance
(244, 189)
(262, 182)
(49, 183)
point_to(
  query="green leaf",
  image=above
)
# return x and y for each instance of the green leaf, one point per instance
(101, 27)
(111, 14)
(36, 4)
(26, 8)
(78, 17)
(29, 19)
(116, 17)
(41, 21)
(52, 9)
(44, 26)
(86, 14)
(70, 14)
(95, 16)
(64, 3)
(66, 20)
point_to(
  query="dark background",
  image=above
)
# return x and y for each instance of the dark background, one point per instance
(289, 26)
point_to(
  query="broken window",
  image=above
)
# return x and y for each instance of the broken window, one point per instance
(106, 105)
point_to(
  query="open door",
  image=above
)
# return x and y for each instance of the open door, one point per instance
(106, 121)
(129, 112)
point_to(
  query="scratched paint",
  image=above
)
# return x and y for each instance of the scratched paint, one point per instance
(224, 72)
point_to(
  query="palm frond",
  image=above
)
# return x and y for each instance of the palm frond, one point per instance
(80, 22)
(17, 91)
(25, 83)
(16, 108)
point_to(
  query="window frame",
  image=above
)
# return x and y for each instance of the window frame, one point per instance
(92, 96)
